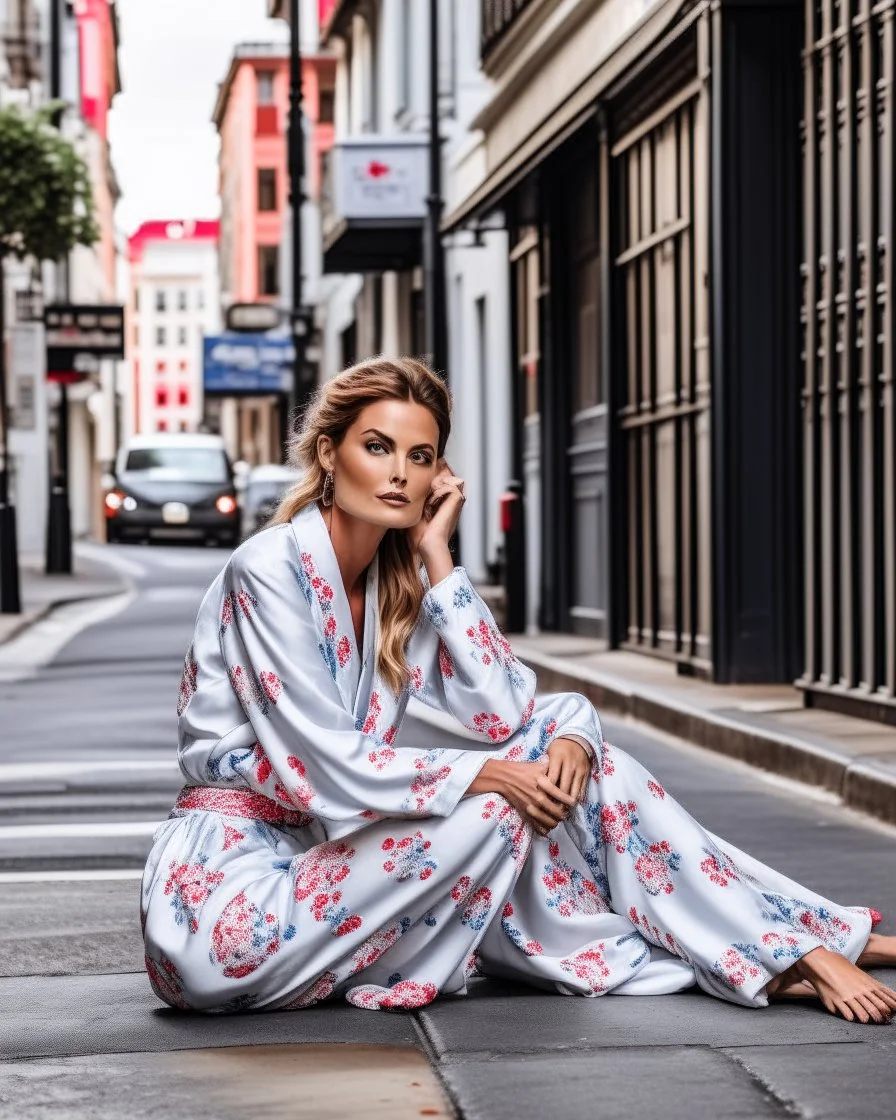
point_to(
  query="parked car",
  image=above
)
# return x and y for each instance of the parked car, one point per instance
(264, 487)
(175, 485)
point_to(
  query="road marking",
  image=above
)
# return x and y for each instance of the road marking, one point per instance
(16, 771)
(96, 875)
(22, 657)
(73, 830)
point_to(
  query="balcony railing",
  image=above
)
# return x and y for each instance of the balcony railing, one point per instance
(20, 43)
(498, 16)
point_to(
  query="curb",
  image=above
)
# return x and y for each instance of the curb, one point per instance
(27, 619)
(863, 783)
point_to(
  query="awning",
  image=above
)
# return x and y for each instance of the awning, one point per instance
(373, 245)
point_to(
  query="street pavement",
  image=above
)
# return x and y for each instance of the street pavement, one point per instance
(87, 745)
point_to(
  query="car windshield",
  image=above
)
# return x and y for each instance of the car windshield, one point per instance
(198, 464)
(258, 493)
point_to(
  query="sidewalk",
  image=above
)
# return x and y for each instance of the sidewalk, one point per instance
(766, 726)
(40, 592)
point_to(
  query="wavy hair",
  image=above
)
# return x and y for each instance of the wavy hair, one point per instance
(332, 411)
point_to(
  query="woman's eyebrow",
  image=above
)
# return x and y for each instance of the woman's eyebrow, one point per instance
(391, 442)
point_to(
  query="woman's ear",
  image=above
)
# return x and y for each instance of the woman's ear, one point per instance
(325, 452)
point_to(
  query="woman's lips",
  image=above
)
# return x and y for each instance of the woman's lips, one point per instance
(393, 501)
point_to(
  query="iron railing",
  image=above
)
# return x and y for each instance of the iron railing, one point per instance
(496, 19)
(849, 412)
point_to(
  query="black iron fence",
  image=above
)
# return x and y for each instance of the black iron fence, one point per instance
(849, 413)
(496, 19)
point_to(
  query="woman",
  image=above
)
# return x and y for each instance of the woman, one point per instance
(314, 852)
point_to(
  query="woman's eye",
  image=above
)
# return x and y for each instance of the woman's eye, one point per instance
(424, 460)
(372, 443)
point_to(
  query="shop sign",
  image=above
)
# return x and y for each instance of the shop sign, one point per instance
(79, 335)
(247, 365)
(379, 179)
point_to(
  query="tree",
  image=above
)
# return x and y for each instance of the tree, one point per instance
(46, 209)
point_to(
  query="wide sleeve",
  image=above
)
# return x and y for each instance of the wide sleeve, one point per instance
(460, 662)
(310, 753)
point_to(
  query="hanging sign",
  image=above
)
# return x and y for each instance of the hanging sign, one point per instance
(78, 335)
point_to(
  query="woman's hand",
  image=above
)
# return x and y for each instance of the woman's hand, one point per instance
(569, 766)
(527, 787)
(441, 512)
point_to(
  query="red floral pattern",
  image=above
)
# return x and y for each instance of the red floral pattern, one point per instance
(187, 682)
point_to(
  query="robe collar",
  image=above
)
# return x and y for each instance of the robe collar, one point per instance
(321, 582)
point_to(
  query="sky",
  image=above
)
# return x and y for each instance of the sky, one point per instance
(173, 55)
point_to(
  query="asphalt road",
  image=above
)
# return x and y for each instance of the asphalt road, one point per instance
(86, 769)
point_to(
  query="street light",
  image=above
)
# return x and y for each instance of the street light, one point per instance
(300, 316)
(433, 250)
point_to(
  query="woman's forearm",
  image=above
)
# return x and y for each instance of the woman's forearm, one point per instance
(490, 778)
(439, 563)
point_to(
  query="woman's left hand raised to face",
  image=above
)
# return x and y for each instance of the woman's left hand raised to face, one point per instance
(441, 513)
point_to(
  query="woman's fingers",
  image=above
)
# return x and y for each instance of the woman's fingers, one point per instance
(553, 790)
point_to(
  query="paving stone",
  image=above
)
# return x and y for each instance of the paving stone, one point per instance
(67, 1016)
(668, 1084)
(69, 928)
(831, 1081)
(314, 1082)
(504, 1020)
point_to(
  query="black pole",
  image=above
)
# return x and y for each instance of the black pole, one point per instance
(10, 603)
(59, 516)
(433, 251)
(296, 158)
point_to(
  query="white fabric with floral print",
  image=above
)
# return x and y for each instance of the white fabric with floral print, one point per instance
(323, 846)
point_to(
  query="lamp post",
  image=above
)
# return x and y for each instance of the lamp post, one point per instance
(59, 514)
(433, 251)
(10, 602)
(300, 316)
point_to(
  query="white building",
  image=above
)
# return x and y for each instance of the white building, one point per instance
(174, 302)
(382, 121)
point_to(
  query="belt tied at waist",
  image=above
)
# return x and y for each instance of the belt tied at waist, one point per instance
(239, 803)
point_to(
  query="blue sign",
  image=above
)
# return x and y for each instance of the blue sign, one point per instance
(247, 364)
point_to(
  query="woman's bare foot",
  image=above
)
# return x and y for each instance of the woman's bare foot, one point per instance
(843, 987)
(879, 952)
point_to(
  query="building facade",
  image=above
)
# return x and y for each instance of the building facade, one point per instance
(375, 189)
(89, 81)
(251, 115)
(699, 202)
(174, 303)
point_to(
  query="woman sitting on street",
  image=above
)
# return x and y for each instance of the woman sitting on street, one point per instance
(316, 852)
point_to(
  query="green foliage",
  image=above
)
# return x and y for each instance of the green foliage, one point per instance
(46, 204)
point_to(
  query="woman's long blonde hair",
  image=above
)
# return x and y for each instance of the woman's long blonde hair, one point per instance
(332, 411)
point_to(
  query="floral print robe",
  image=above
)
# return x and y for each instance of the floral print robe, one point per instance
(323, 846)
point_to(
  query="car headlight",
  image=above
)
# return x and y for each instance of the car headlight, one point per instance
(226, 504)
(113, 502)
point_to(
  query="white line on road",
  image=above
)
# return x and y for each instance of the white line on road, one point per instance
(87, 876)
(39, 644)
(18, 771)
(72, 830)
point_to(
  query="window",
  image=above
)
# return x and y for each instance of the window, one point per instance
(184, 425)
(267, 188)
(326, 109)
(181, 299)
(161, 337)
(136, 299)
(181, 336)
(136, 335)
(160, 367)
(182, 365)
(161, 397)
(200, 299)
(162, 426)
(183, 395)
(268, 270)
(265, 87)
(161, 302)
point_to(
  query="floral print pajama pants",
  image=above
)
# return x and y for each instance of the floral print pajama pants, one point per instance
(631, 896)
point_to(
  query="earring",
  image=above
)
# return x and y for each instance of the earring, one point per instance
(327, 495)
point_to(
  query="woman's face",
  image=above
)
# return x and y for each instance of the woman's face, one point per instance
(389, 450)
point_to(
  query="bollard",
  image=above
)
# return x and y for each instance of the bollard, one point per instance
(59, 531)
(513, 528)
(10, 601)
